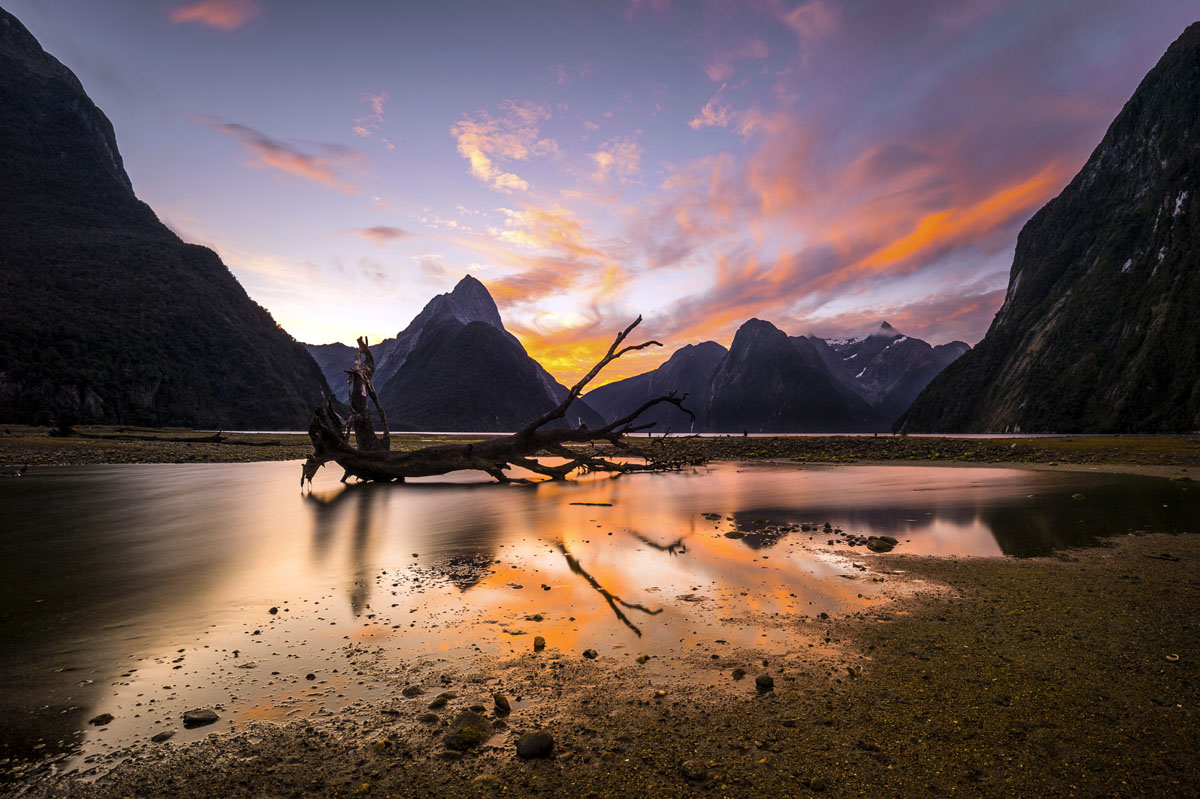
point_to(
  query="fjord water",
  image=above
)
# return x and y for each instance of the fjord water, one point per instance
(143, 591)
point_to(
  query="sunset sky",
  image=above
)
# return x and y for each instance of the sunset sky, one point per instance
(822, 165)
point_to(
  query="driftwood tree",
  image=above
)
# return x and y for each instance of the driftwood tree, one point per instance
(370, 457)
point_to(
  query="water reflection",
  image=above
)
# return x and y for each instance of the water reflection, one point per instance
(118, 581)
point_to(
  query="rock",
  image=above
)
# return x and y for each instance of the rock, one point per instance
(735, 534)
(764, 682)
(642, 659)
(310, 676)
(200, 717)
(889, 539)
(539, 643)
(273, 611)
(165, 735)
(693, 771)
(413, 690)
(534, 745)
(503, 707)
(488, 782)
(739, 673)
(468, 731)
(818, 784)
(101, 720)
(438, 703)
(660, 693)
(590, 654)
(879, 545)
(428, 718)
(854, 671)
(382, 745)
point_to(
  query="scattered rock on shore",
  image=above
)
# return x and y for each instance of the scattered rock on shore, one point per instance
(468, 731)
(200, 717)
(533, 745)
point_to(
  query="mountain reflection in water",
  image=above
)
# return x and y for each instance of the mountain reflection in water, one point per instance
(149, 586)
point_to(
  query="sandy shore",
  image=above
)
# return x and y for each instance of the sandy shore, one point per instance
(1072, 675)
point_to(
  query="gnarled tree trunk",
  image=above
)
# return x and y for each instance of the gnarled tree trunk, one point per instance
(370, 458)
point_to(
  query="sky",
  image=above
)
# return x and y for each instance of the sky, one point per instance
(822, 165)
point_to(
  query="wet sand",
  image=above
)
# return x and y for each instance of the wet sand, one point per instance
(1074, 674)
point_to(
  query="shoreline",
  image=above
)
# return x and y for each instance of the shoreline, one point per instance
(1074, 673)
(1155, 455)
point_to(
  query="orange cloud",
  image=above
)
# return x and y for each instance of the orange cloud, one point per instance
(223, 15)
(269, 153)
(513, 136)
(944, 228)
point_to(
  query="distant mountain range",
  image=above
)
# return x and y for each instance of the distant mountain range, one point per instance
(770, 382)
(1100, 329)
(455, 368)
(105, 314)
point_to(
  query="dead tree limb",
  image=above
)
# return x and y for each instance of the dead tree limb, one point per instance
(369, 456)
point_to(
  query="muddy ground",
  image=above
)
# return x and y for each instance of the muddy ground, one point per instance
(1072, 675)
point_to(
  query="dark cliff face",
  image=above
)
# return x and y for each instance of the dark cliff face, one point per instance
(688, 371)
(1100, 329)
(106, 315)
(767, 383)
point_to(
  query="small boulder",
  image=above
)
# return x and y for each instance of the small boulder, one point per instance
(101, 720)
(739, 673)
(590, 654)
(764, 682)
(535, 745)
(165, 735)
(503, 707)
(200, 717)
(539, 643)
(468, 731)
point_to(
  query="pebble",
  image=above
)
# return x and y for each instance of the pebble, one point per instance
(739, 673)
(162, 736)
(693, 771)
(503, 707)
(539, 643)
(531, 745)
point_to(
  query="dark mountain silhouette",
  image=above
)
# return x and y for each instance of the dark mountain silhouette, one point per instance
(1100, 329)
(105, 314)
(689, 370)
(864, 383)
(768, 383)
(455, 368)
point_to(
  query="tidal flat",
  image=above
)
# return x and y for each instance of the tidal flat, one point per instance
(720, 631)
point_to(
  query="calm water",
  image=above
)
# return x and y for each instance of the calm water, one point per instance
(143, 591)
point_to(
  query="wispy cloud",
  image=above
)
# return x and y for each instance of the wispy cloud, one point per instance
(723, 65)
(484, 140)
(370, 124)
(382, 234)
(326, 168)
(226, 15)
(620, 157)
